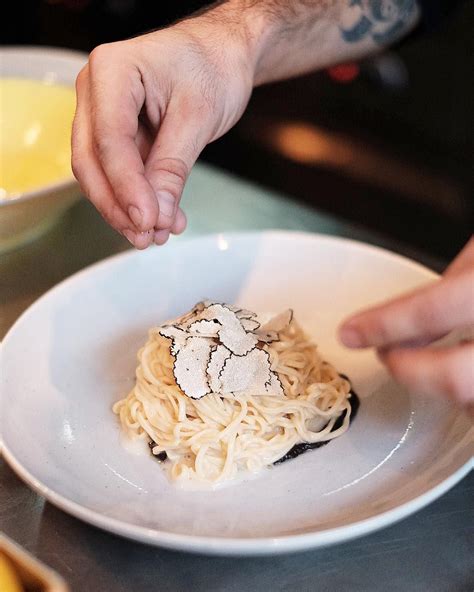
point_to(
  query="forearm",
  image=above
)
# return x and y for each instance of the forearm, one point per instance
(286, 38)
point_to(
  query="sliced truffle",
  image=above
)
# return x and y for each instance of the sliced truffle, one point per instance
(190, 366)
(215, 350)
(177, 335)
(241, 313)
(249, 324)
(278, 323)
(231, 332)
(205, 328)
(274, 387)
(216, 362)
(250, 373)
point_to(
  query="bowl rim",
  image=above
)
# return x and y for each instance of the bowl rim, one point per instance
(45, 52)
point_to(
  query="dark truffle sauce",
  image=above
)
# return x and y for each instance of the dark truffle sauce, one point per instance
(305, 446)
(161, 456)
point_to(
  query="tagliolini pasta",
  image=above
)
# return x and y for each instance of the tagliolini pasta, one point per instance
(217, 436)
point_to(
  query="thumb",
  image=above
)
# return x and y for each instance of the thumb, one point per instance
(174, 152)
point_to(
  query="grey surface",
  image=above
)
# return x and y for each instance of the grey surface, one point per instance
(432, 550)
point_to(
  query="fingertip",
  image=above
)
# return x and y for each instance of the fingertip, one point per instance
(369, 328)
(137, 200)
(180, 222)
(124, 173)
(160, 237)
(351, 336)
(140, 240)
(143, 240)
(167, 209)
(167, 175)
(136, 216)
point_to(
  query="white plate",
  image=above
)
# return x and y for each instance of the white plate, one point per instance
(72, 354)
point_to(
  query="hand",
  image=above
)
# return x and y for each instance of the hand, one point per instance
(402, 329)
(146, 107)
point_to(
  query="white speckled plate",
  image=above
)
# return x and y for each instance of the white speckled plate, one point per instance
(72, 354)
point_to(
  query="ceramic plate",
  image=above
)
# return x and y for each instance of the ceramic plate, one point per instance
(73, 354)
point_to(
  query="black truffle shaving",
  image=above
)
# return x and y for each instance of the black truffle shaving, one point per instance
(305, 446)
(161, 456)
(242, 356)
(268, 383)
(270, 371)
(175, 356)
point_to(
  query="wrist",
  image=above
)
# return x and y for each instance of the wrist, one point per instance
(257, 30)
(273, 33)
(241, 28)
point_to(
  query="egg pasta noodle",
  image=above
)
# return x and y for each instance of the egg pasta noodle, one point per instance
(211, 439)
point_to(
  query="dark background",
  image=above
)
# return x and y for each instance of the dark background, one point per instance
(386, 143)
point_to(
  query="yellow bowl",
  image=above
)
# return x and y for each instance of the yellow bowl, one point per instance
(20, 571)
(37, 105)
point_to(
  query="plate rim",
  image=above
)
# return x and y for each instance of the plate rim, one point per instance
(240, 546)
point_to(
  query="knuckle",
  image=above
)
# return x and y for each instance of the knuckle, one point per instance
(172, 171)
(101, 55)
(176, 167)
(82, 77)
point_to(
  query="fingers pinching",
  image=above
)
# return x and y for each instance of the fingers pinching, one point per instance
(174, 152)
(140, 240)
(167, 176)
(117, 96)
(180, 222)
(160, 237)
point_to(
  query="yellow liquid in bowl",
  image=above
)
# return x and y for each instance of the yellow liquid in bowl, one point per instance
(35, 134)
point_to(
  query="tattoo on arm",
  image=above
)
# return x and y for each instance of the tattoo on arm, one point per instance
(384, 21)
